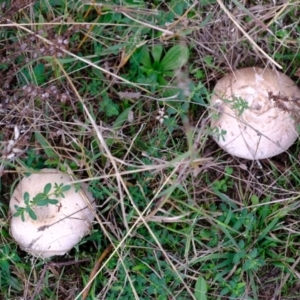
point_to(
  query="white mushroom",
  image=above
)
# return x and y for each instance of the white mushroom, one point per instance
(58, 227)
(254, 112)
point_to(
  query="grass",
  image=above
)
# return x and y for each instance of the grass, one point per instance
(118, 92)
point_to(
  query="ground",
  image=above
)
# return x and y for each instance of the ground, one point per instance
(117, 93)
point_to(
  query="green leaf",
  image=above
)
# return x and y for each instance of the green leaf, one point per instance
(254, 200)
(156, 52)
(26, 198)
(4, 265)
(39, 73)
(51, 162)
(225, 198)
(241, 244)
(58, 187)
(228, 170)
(268, 229)
(41, 199)
(201, 289)
(52, 201)
(161, 80)
(65, 188)
(141, 145)
(249, 265)
(31, 213)
(39, 196)
(169, 73)
(108, 106)
(238, 256)
(61, 189)
(47, 188)
(253, 253)
(112, 110)
(46, 146)
(145, 59)
(122, 118)
(42, 202)
(175, 58)
(19, 211)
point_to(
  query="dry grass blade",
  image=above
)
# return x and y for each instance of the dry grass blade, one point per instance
(77, 57)
(113, 162)
(166, 32)
(247, 35)
(278, 14)
(121, 182)
(249, 13)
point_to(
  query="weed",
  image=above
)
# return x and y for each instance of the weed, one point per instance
(158, 67)
(40, 199)
(225, 183)
(239, 105)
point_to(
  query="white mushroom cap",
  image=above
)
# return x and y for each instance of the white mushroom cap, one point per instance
(59, 227)
(264, 129)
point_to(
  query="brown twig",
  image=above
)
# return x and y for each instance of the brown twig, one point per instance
(94, 271)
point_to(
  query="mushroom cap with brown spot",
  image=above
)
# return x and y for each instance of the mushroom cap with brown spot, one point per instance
(253, 113)
(59, 227)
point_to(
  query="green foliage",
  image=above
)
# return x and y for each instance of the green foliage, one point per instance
(201, 289)
(8, 279)
(239, 104)
(107, 106)
(150, 282)
(154, 62)
(157, 67)
(53, 158)
(36, 75)
(246, 246)
(224, 184)
(218, 133)
(40, 199)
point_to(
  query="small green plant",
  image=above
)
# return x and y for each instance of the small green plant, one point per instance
(222, 185)
(239, 104)
(8, 258)
(217, 133)
(235, 287)
(108, 107)
(158, 66)
(41, 199)
(246, 246)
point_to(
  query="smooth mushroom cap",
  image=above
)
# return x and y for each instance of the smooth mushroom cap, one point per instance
(59, 227)
(267, 127)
